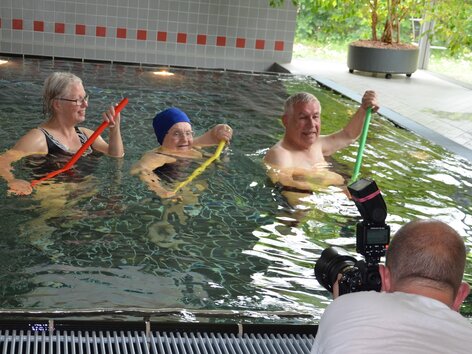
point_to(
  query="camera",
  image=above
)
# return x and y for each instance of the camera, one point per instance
(372, 239)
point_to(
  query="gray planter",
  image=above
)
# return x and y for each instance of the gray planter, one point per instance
(382, 60)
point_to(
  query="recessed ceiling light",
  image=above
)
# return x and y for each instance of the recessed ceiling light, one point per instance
(163, 73)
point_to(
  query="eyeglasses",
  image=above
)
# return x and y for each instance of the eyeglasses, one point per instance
(78, 102)
(179, 134)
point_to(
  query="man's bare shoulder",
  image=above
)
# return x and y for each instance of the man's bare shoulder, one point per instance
(278, 155)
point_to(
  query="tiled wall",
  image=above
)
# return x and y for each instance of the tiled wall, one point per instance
(237, 35)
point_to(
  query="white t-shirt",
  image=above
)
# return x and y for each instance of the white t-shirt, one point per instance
(380, 323)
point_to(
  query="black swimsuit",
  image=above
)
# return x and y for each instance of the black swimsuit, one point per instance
(177, 171)
(56, 147)
(293, 189)
(57, 157)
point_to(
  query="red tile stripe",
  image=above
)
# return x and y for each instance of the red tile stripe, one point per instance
(279, 45)
(161, 36)
(202, 39)
(100, 31)
(260, 44)
(181, 37)
(240, 43)
(142, 35)
(121, 32)
(38, 26)
(221, 41)
(59, 27)
(17, 24)
(80, 30)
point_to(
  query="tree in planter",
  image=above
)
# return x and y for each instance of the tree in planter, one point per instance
(392, 13)
(387, 13)
(397, 11)
(365, 55)
(389, 55)
(353, 19)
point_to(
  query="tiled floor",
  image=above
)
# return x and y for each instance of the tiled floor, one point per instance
(433, 107)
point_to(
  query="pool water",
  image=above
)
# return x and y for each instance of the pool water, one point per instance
(233, 242)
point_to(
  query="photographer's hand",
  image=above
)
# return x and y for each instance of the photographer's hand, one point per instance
(336, 286)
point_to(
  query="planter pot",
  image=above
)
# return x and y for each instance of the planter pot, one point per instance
(382, 60)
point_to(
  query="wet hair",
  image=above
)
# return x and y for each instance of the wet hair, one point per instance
(56, 85)
(427, 251)
(300, 97)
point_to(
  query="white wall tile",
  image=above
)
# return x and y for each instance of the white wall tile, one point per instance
(251, 20)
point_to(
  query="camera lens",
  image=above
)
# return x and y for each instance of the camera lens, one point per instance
(333, 261)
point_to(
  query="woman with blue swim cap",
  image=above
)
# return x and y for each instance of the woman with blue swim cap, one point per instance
(174, 133)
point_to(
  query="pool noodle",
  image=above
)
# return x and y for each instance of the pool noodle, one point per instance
(201, 168)
(360, 150)
(82, 149)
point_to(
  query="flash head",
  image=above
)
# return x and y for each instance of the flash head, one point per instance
(369, 201)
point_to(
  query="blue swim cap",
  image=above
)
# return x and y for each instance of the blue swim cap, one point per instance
(164, 120)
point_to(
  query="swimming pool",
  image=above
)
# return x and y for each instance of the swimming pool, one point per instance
(234, 246)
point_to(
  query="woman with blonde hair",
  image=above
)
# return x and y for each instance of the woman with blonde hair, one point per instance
(65, 105)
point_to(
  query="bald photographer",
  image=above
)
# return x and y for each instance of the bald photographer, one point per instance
(417, 309)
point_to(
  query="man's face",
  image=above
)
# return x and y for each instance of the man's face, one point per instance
(303, 125)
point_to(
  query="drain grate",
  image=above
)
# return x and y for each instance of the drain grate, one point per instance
(115, 342)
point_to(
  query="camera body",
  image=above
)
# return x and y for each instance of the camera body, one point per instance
(372, 239)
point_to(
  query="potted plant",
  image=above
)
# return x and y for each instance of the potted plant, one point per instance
(386, 54)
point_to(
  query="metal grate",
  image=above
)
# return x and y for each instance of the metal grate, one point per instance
(114, 342)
